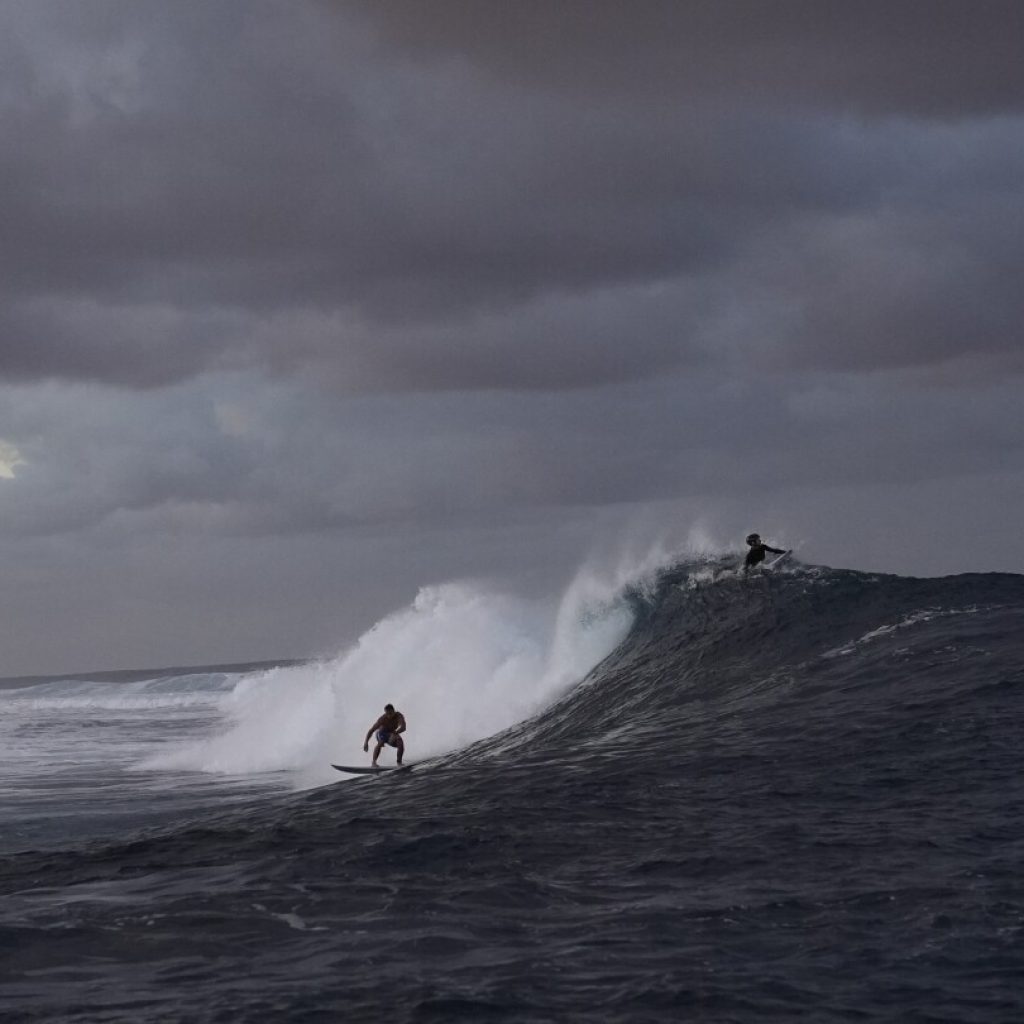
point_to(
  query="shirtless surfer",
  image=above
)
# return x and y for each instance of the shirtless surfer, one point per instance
(389, 728)
(757, 551)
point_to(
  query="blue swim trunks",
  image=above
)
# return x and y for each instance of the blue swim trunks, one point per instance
(383, 736)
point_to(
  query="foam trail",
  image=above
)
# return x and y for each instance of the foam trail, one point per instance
(461, 663)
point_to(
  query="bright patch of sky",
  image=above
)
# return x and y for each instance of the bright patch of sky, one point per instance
(10, 459)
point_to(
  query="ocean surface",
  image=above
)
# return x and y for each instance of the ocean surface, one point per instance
(689, 796)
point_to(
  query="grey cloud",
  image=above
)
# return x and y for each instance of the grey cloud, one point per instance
(135, 344)
(234, 517)
(239, 458)
(911, 285)
(196, 188)
(936, 57)
(302, 305)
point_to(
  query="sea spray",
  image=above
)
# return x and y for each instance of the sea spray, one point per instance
(461, 663)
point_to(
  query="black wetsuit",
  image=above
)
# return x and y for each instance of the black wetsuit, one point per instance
(756, 554)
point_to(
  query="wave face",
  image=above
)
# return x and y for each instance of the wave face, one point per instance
(790, 795)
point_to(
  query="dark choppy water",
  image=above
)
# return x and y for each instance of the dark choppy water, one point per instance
(788, 797)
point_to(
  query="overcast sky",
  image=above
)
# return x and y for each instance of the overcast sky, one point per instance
(304, 305)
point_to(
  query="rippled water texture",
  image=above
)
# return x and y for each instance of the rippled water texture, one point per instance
(785, 797)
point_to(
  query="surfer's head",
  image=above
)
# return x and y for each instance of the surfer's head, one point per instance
(754, 538)
(389, 708)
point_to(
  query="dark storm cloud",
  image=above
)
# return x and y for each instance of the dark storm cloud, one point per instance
(305, 304)
(937, 57)
(925, 274)
(397, 196)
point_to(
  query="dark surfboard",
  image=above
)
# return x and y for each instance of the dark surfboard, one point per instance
(366, 769)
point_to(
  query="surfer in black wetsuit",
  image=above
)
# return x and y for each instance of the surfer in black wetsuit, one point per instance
(389, 728)
(757, 551)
